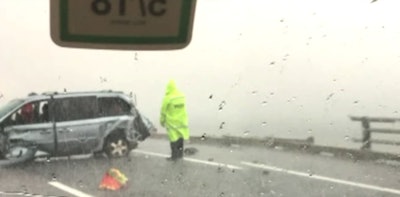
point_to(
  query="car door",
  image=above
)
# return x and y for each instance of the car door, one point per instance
(38, 131)
(77, 125)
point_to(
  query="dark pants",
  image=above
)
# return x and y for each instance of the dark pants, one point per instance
(177, 149)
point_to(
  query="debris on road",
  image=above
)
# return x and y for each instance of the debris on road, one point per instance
(190, 151)
(113, 180)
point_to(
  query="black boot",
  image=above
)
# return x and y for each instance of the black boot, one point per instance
(174, 151)
(180, 148)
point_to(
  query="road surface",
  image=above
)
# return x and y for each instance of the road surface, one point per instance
(214, 171)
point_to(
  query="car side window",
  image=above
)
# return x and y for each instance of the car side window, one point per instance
(75, 108)
(113, 107)
(30, 113)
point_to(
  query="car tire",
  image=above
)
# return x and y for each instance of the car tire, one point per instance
(116, 146)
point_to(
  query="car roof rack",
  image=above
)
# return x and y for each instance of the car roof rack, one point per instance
(83, 92)
(50, 93)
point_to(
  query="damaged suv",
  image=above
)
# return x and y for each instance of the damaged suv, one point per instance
(63, 124)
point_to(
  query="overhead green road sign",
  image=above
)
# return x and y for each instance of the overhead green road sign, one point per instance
(122, 24)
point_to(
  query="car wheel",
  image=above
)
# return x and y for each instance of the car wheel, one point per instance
(116, 146)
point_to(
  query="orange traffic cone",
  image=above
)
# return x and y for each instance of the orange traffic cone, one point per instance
(113, 180)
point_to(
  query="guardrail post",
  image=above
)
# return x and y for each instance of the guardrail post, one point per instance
(366, 139)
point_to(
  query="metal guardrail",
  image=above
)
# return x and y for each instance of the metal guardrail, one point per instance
(367, 130)
(301, 145)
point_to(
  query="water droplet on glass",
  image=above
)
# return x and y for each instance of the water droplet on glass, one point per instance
(395, 112)
(221, 105)
(309, 131)
(262, 193)
(103, 79)
(210, 97)
(272, 63)
(80, 183)
(48, 159)
(246, 132)
(282, 20)
(254, 92)
(263, 123)
(221, 194)
(355, 102)
(210, 159)
(136, 56)
(330, 96)
(203, 137)
(221, 126)
(264, 103)
(334, 80)
(342, 90)
(53, 177)
(271, 93)
(347, 138)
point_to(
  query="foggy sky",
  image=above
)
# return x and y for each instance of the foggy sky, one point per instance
(299, 66)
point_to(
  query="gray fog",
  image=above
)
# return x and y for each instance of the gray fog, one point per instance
(286, 68)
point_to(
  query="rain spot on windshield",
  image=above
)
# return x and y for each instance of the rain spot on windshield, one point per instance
(221, 105)
(53, 176)
(164, 181)
(103, 80)
(246, 132)
(221, 126)
(264, 103)
(254, 92)
(346, 138)
(330, 96)
(263, 123)
(80, 183)
(136, 56)
(210, 97)
(203, 137)
(272, 63)
(355, 102)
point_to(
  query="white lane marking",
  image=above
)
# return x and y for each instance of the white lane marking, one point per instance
(323, 178)
(68, 189)
(191, 160)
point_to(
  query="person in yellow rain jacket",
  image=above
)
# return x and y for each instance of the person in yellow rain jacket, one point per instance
(175, 119)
